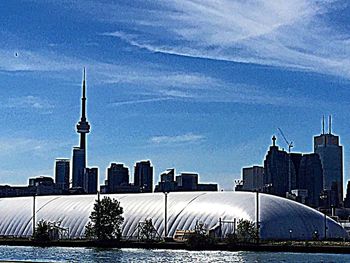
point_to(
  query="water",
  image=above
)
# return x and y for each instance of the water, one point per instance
(59, 254)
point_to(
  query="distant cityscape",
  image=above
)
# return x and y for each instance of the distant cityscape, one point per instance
(84, 179)
(314, 179)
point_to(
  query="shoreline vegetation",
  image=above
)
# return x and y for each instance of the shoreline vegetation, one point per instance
(331, 247)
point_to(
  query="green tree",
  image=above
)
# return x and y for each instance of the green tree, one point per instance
(246, 231)
(147, 230)
(42, 231)
(105, 220)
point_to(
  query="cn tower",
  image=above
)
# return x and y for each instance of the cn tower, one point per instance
(83, 126)
(79, 153)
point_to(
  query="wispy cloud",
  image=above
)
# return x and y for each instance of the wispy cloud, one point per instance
(158, 84)
(178, 139)
(21, 145)
(294, 34)
(30, 103)
(130, 102)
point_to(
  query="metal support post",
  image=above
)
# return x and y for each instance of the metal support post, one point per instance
(325, 226)
(34, 215)
(257, 216)
(165, 214)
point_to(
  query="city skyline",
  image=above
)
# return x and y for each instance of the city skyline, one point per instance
(199, 99)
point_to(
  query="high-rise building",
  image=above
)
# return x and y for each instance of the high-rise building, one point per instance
(117, 176)
(276, 170)
(310, 178)
(78, 167)
(90, 180)
(44, 185)
(182, 183)
(330, 151)
(79, 153)
(62, 171)
(187, 181)
(168, 175)
(253, 178)
(167, 181)
(295, 159)
(143, 176)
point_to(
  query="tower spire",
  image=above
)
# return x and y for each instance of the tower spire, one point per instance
(83, 126)
(83, 100)
(330, 124)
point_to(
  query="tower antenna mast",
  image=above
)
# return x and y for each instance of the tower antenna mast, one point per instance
(323, 124)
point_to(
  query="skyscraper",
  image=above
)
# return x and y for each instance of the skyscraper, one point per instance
(187, 181)
(62, 169)
(78, 167)
(276, 170)
(79, 153)
(117, 177)
(253, 178)
(310, 178)
(143, 176)
(90, 180)
(327, 147)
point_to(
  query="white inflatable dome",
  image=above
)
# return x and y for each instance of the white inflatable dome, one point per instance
(279, 218)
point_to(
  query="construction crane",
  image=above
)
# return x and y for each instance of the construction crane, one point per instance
(290, 145)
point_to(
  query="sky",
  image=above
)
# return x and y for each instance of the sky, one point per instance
(196, 85)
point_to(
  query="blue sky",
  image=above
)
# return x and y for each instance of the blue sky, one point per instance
(198, 85)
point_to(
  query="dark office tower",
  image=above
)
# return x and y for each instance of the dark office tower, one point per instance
(143, 176)
(310, 178)
(78, 167)
(90, 180)
(168, 176)
(167, 182)
(117, 176)
(331, 155)
(62, 169)
(187, 181)
(253, 178)
(276, 170)
(79, 153)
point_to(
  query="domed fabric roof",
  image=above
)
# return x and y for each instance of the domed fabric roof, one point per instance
(279, 218)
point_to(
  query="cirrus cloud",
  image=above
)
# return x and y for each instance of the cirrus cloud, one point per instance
(178, 139)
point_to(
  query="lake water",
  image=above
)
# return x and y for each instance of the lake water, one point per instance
(58, 254)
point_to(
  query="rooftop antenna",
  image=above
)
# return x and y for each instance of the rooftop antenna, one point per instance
(323, 125)
(330, 124)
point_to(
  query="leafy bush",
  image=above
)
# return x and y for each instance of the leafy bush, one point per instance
(42, 231)
(200, 239)
(246, 231)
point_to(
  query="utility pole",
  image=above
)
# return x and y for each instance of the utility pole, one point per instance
(290, 145)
